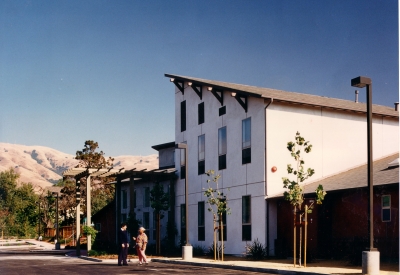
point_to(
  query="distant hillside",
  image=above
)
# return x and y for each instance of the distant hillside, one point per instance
(43, 166)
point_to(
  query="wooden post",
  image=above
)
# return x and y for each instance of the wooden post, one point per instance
(78, 229)
(305, 234)
(300, 237)
(88, 212)
(222, 236)
(215, 240)
(294, 236)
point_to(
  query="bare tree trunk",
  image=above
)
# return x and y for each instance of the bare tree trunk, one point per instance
(222, 236)
(294, 236)
(215, 240)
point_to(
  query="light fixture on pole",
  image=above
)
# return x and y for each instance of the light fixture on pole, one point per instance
(370, 258)
(57, 225)
(38, 203)
(187, 249)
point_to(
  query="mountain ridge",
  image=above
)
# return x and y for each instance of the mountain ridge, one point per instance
(43, 166)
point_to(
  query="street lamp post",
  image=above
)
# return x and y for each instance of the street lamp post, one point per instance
(38, 203)
(370, 258)
(57, 228)
(187, 249)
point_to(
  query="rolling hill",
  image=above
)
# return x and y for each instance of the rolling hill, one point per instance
(43, 166)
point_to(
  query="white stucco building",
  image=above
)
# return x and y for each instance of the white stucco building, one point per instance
(241, 132)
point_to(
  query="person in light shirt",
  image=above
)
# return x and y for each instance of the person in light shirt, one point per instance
(141, 243)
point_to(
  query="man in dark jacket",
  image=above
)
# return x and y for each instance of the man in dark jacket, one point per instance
(123, 243)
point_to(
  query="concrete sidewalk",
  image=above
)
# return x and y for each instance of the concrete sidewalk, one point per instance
(282, 266)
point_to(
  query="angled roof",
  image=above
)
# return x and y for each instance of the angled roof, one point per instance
(291, 97)
(385, 172)
(164, 146)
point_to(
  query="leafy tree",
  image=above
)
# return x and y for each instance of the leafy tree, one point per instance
(102, 192)
(217, 202)
(89, 158)
(295, 192)
(159, 201)
(18, 212)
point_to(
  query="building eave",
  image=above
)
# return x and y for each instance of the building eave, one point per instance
(289, 97)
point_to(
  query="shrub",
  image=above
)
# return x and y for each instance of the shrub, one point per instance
(199, 250)
(210, 251)
(88, 230)
(256, 251)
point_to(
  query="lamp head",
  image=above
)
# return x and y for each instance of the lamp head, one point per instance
(361, 81)
(181, 145)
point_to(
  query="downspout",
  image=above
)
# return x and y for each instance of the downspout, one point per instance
(265, 170)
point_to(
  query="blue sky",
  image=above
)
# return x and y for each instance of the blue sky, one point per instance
(77, 70)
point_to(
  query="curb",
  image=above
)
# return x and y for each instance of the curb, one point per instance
(241, 268)
(88, 259)
(53, 252)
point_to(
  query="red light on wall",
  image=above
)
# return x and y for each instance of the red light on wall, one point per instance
(273, 169)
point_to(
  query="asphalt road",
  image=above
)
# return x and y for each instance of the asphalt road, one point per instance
(24, 263)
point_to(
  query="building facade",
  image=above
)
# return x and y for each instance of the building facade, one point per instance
(241, 132)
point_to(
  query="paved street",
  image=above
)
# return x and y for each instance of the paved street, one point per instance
(24, 263)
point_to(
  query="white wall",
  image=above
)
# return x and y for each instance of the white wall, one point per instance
(339, 140)
(240, 179)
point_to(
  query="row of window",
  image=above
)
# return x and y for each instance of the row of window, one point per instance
(222, 149)
(200, 114)
(146, 198)
(246, 218)
(246, 221)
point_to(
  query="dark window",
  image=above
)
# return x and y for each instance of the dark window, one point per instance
(221, 162)
(183, 172)
(201, 112)
(201, 167)
(97, 226)
(222, 111)
(183, 116)
(386, 211)
(183, 163)
(146, 200)
(246, 140)
(146, 220)
(222, 148)
(183, 223)
(201, 154)
(123, 217)
(246, 218)
(246, 155)
(201, 235)
(124, 199)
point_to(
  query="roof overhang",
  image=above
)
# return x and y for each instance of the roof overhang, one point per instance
(242, 91)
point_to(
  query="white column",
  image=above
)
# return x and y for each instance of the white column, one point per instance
(88, 213)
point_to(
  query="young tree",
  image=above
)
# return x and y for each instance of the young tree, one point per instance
(159, 201)
(217, 202)
(295, 193)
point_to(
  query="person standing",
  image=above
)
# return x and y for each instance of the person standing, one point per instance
(123, 243)
(141, 243)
